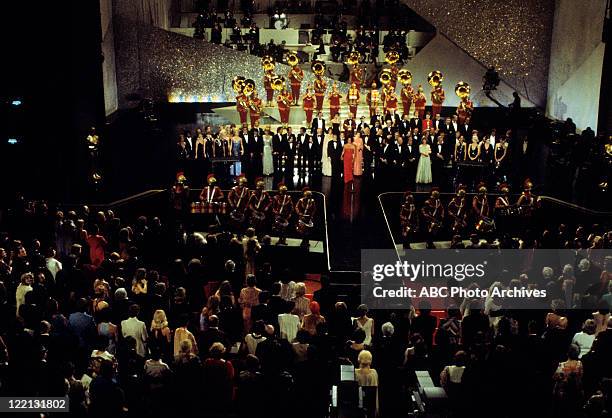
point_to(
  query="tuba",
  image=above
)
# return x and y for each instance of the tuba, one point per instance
(391, 57)
(238, 84)
(248, 87)
(278, 83)
(462, 90)
(435, 78)
(354, 58)
(267, 62)
(385, 77)
(405, 77)
(318, 68)
(293, 59)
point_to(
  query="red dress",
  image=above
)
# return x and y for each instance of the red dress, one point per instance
(349, 162)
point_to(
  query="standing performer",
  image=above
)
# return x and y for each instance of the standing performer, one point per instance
(433, 216)
(308, 104)
(305, 209)
(259, 203)
(267, 81)
(179, 198)
(482, 211)
(320, 86)
(408, 218)
(527, 202)
(464, 110)
(296, 75)
(212, 198)
(394, 74)
(242, 106)
(373, 99)
(458, 210)
(391, 104)
(352, 99)
(255, 105)
(503, 202)
(407, 94)
(437, 98)
(282, 208)
(238, 199)
(356, 75)
(419, 102)
(284, 99)
(334, 101)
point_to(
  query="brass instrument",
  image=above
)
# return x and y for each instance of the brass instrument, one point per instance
(385, 76)
(238, 84)
(278, 83)
(267, 62)
(293, 59)
(391, 57)
(254, 107)
(354, 58)
(318, 68)
(463, 90)
(404, 76)
(435, 78)
(249, 87)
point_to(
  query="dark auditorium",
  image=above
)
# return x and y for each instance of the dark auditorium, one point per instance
(306, 209)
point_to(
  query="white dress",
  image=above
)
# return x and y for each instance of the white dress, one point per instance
(367, 328)
(423, 174)
(268, 163)
(326, 167)
(288, 325)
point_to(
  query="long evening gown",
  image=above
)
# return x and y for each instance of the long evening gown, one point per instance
(423, 175)
(236, 146)
(326, 167)
(358, 169)
(349, 164)
(268, 164)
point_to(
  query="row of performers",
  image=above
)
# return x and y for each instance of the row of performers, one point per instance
(245, 208)
(250, 107)
(460, 215)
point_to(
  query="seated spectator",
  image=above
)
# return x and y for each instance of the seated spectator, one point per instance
(584, 339)
(312, 319)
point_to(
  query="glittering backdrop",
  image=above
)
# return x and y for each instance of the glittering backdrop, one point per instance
(176, 68)
(513, 35)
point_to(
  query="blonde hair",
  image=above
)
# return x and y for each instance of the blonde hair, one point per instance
(300, 289)
(364, 358)
(159, 320)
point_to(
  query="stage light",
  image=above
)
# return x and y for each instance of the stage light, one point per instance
(16, 102)
(13, 141)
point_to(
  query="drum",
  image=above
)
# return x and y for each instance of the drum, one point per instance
(258, 215)
(280, 223)
(304, 226)
(196, 207)
(207, 207)
(237, 216)
(485, 225)
(221, 208)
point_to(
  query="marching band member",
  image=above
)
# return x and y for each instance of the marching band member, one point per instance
(458, 210)
(238, 199)
(334, 101)
(394, 74)
(373, 99)
(296, 75)
(308, 104)
(259, 203)
(407, 94)
(464, 110)
(391, 103)
(242, 106)
(305, 209)
(433, 216)
(267, 82)
(283, 100)
(211, 196)
(437, 98)
(419, 102)
(282, 208)
(352, 99)
(356, 75)
(408, 218)
(527, 201)
(481, 209)
(179, 196)
(503, 201)
(255, 105)
(320, 87)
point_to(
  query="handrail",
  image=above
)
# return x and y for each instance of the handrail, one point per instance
(575, 207)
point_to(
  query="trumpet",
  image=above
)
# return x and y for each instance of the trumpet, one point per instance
(293, 59)
(254, 107)
(318, 67)
(462, 90)
(385, 76)
(405, 77)
(278, 83)
(267, 62)
(435, 78)
(248, 87)
(354, 58)
(391, 57)
(238, 84)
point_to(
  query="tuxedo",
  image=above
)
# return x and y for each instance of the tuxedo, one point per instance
(454, 126)
(403, 126)
(368, 154)
(257, 150)
(449, 129)
(290, 150)
(189, 142)
(375, 118)
(317, 123)
(334, 152)
(438, 124)
(416, 123)
(311, 154)
(278, 146)
(318, 140)
(412, 161)
(386, 160)
(437, 164)
(350, 123)
(388, 131)
(466, 131)
(302, 150)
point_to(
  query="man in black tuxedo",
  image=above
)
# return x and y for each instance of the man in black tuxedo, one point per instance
(334, 152)
(189, 143)
(416, 122)
(466, 129)
(289, 152)
(394, 117)
(448, 128)
(247, 156)
(455, 123)
(376, 117)
(362, 124)
(438, 123)
(278, 146)
(439, 158)
(312, 152)
(302, 149)
(404, 125)
(318, 139)
(369, 146)
(386, 160)
(401, 161)
(257, 128)
(317, 123)
(349, 124)
(257, 148)
(389, 129)
(412, 159)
